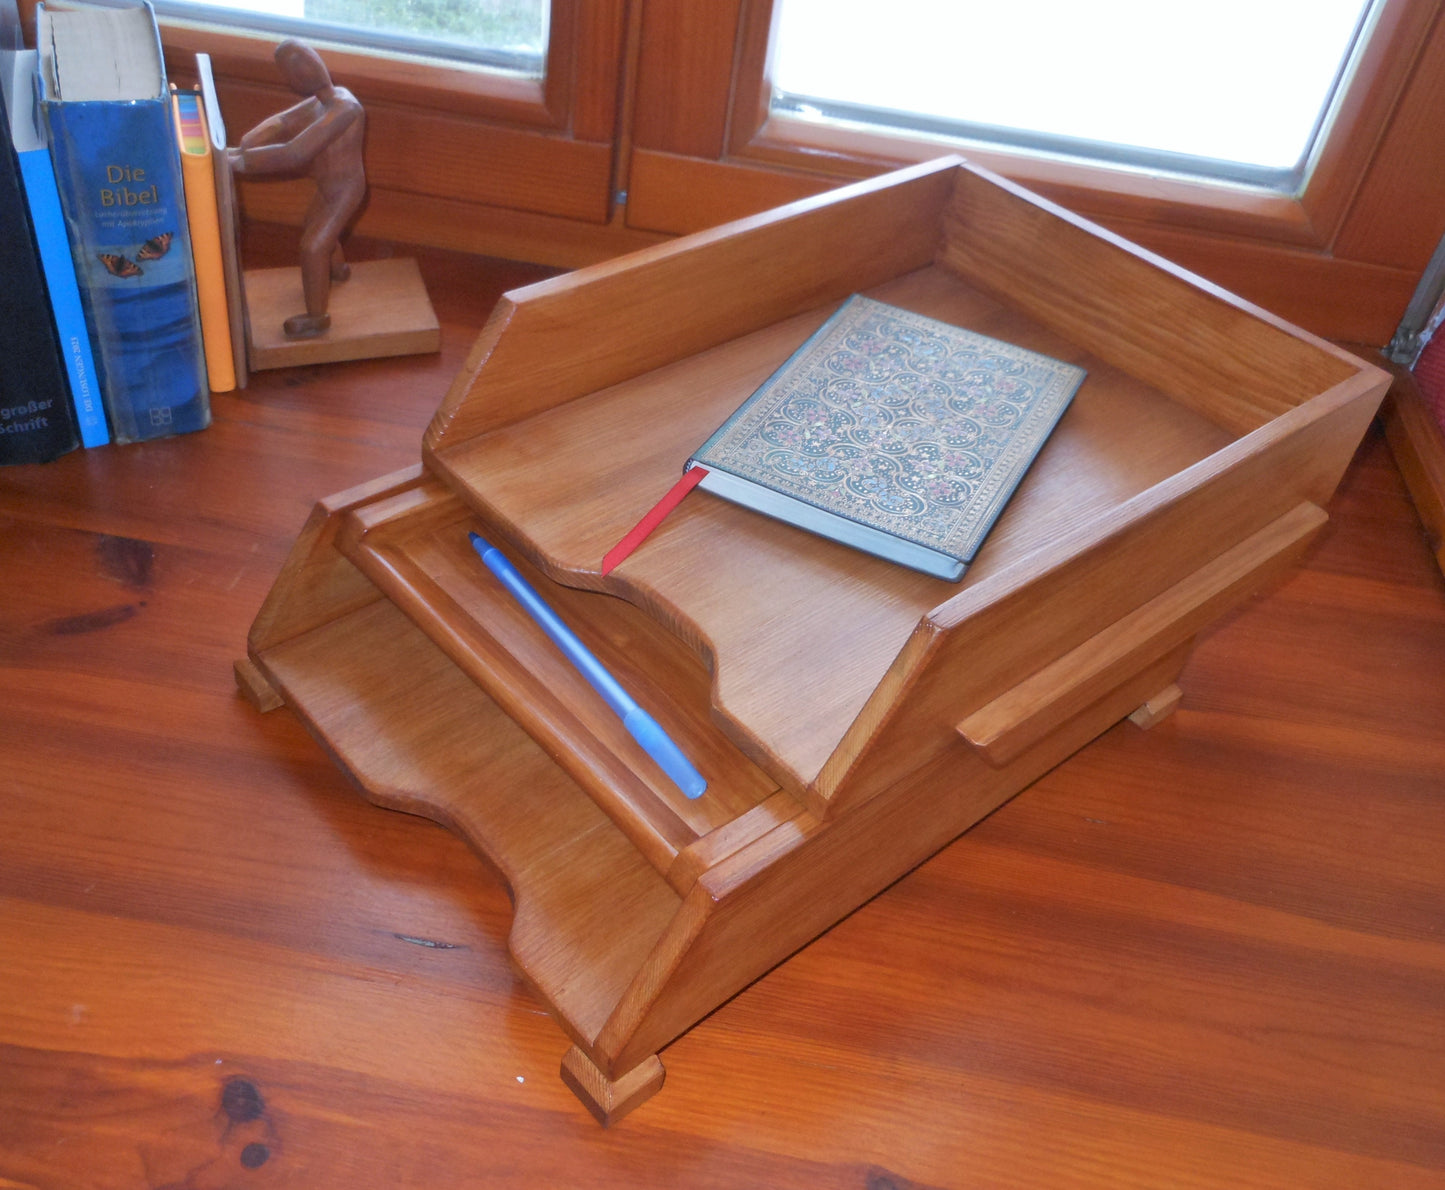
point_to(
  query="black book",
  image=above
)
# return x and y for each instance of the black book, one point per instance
(37, 422)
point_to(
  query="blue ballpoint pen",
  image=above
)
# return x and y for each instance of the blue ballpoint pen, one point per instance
(640, 725)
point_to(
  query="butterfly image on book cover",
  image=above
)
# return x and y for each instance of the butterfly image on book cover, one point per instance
(896, 421)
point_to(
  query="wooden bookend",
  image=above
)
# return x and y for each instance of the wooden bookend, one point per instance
(851, 717)
(382, 309)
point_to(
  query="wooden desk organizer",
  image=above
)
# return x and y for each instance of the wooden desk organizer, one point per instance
(851, 716)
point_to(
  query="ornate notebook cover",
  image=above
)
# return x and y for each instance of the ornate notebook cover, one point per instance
(897, 421)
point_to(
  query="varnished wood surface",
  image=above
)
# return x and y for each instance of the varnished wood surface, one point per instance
(1210, 954)
(836, 673)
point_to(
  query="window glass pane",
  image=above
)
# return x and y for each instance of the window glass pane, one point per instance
(505, 34)
(1239, 86)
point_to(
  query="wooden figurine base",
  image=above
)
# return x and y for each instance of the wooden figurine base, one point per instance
(850, 716)
(381, 310)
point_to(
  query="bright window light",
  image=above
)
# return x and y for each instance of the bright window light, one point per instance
(508, 35)
(1237, 89)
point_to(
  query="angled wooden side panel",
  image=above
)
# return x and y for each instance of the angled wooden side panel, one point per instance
(582, 332)
(1023, 715)
(754, 908)
(996, 634)
(1205, 347)
(316, 583)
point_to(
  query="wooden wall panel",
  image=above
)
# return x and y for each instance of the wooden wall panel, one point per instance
(678, 124)
(466, 143)
(599, 71)
(1347, 300)
(674, 194)
(457, 157)
(1398, 215)
(476, 228)
(1341, 260)
(684, 75)
(1355, 300)
(1389, 58)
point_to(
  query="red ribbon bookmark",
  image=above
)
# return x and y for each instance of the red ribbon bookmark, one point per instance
(639, 532)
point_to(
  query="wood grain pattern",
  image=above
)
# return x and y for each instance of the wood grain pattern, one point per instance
(1204, 956)
(477, 162)
(382, 309)
(624, 446)
(683, 82)
(1345, 297)
(649, 311)
(1171, 505)
(475, 228)
(468, 159)
(1026, 713)
(1189, 388)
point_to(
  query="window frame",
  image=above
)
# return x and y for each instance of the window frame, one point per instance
(457, 156)
(1310, 217)
(429, 83)
(652, 121)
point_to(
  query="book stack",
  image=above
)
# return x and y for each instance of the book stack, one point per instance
(127, 329)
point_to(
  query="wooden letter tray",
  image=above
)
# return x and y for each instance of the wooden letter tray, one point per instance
(851, 716)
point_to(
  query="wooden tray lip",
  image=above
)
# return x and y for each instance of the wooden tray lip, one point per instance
(539, 294)
(1139, 508)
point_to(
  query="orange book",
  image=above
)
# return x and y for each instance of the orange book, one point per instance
(198, 175)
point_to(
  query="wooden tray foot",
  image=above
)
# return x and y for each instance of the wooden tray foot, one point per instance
(1158, 708)
(253, 684)
(608, 1099)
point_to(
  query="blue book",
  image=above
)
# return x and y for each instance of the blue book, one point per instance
(118, 172)
(53, 243)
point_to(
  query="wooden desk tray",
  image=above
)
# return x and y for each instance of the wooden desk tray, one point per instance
(851, 716)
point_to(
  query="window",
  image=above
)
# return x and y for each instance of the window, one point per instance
(654, 119)
(1237, 90)
(509, 35)
(1340, 253)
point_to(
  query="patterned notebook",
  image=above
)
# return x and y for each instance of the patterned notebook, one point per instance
(891, 432)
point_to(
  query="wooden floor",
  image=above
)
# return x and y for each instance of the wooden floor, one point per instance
(1212, 954)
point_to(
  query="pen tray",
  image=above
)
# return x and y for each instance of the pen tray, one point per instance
(413, 545)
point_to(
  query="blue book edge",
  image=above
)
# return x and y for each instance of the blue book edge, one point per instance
(70, 324)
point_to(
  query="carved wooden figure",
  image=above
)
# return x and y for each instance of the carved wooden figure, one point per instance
(384, 310)
(322, 137)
